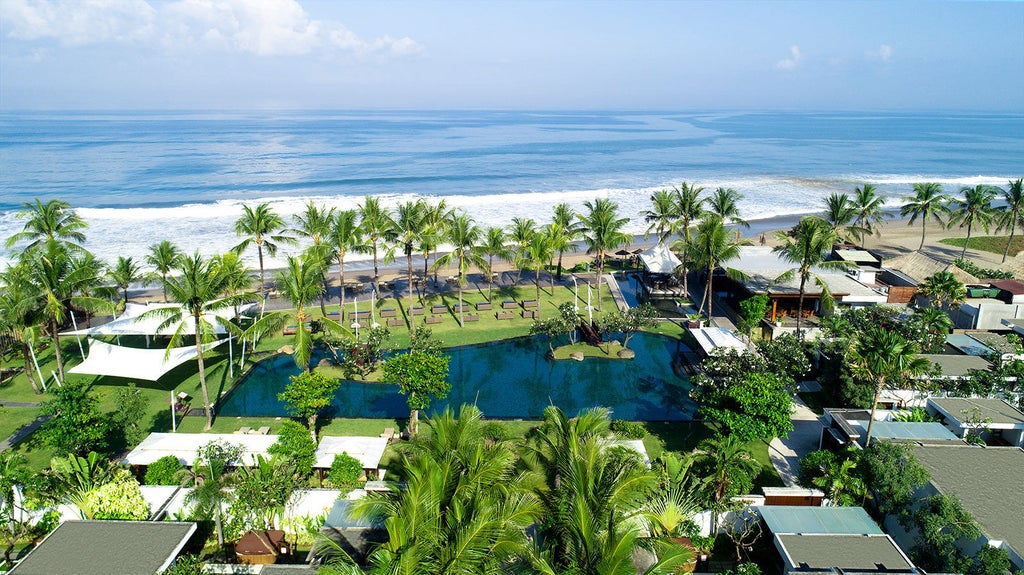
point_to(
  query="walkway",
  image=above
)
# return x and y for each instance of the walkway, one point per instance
(805, 438)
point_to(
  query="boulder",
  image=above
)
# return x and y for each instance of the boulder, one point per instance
(286, 349)
(626, 353)
(576, 356)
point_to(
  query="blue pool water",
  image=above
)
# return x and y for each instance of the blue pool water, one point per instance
(510, 379)
(630, 288)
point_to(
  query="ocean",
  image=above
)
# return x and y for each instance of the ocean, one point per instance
(141, 177)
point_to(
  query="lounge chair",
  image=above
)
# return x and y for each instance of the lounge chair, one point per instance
(263, 430)
(243, 430)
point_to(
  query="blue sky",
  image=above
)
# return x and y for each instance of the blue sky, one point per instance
(528, 54)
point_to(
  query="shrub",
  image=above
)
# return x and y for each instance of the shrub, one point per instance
(628, 429)
(164, 471)
(812, 465)
(345, 470)
(294, 442)
(980, 272)
(495, 431)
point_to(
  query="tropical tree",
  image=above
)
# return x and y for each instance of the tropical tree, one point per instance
(211, 480)
(1012, 212)
(927, 203)
(308, 394)
(690, 207)
(561, 239)
(199, 290)
(163, 256)
(728, 469)
(410, 218)
(712, 247)
(265, 228)
(839, 212)
(724, 202)
(420, 376)
(93, 277)
(299, 284)
(868, 211)
(20, 314)
(806, 246)
(943, 289)
(464, 237)
(345, 236)
(662, 216)
(495, 245)
(565, 217)
(262, 491)
(55, 220)
(884, 357)
(435, 218)
(540, 251)
(315, 224)
(239, 278)
(602, 231)
(375, 224)
(124, 273)
(974, 209)
(520, 233)
(841, 484)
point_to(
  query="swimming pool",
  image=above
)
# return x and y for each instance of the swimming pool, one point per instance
(629, 285)
(511, 379)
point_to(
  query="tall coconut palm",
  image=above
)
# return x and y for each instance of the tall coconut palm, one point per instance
(540, 251)
(20, 313)
(927, 203)
(54, 220)
(495, 245)
(265, 228)
(565, 217)
(239, 276)
(124, 273)
(974, 209)
(93, 276)
(199, 290)
(884, 357)
(725, 202)
(300, 285)
(690, 206)
(314, 224)
(211, 479)
(712, 247)
(164, 257)
(375, 223)
(602, 231)
(806, 246)
(520, 233)
(436, 218)
(561, 240)
(943, 289)
(868, 210)
(839, 212)
(464, 237)
(725, 461)
(662, 216)
(409, 221)
(1012, 212)
(345, 236)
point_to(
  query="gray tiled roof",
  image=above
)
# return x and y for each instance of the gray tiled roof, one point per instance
(847, 552)
(992, 409)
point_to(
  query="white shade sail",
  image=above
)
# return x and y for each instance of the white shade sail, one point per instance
(135, 363)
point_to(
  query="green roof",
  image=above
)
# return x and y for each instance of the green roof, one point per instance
(105, 547)
(877, 553)
(801, 519)
(995, 410)
(987, 480)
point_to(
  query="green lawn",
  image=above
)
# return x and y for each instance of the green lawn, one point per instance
(993, 244)
(13, 419)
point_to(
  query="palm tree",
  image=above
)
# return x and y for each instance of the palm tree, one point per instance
(974, 208)
(690, 207)
(806, 246)
(520, 233)
(713, 246)
(1013, 212)
(725, 203)
(936, 325)
(867, 208)
(263, 227)
(92, 278)
(602, 231)
(314, 224)
(561, 240)
(124, 273)
(943, 289)
(839, 212)
(841, 485)
(435, 218)
(299, 284)
(54, 220)
(164, 257)
(662, 216)
(20, 313)
(409, 221)
(565, 217)
(495, 245)
(239, 278)
(376, 224)
(725, 460)
(198, 291)
(345, 236)
(884, 357)
(540, 251)
(464, 236)
(928, 202)
(211, 482)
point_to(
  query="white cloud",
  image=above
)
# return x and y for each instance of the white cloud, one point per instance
(793, 61)
(260, 27)
(883, 53)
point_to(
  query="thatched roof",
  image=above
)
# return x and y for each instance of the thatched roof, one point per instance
(920, 266)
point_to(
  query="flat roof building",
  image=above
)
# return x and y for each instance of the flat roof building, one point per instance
(841, 553)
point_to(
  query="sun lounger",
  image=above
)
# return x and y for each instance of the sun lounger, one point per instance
(529, 303)
(509, 304)
(389, 432)
(439, 309)
(471, 317)
(484, 306)
(389, 312)
(529, 313)
(395, 322)
(290, 330)
(433, 319)
(500, 315)
(263, 430)
(416, 310)
(244, 430)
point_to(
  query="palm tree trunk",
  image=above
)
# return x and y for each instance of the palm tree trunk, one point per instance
(220, 526)
(874, 407)
(323, 296)
(435, 269)
(27, 355)
(165, 287)
(490, 276)
(461, 324)
(414, 421)
(559, 274)
(376, 272)
(711, 294)
(923, 221)
(800, 307)
(408, 259)
(963, 252)
(56, 349)
(202, 383)
(1006, 251)
(263, 279)
(341, 282)
(600, 278)
(536, 281)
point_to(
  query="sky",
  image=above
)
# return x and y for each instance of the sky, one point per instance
(525, 54)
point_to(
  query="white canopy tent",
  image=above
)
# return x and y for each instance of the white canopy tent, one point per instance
(368, 450)
(132, 322)
(659, 260)
(135, 362)
(712, 338)
(184, 447)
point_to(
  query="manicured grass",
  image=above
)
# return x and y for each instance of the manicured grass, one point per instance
(605, 350)
(13, 419)
(993, 244)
